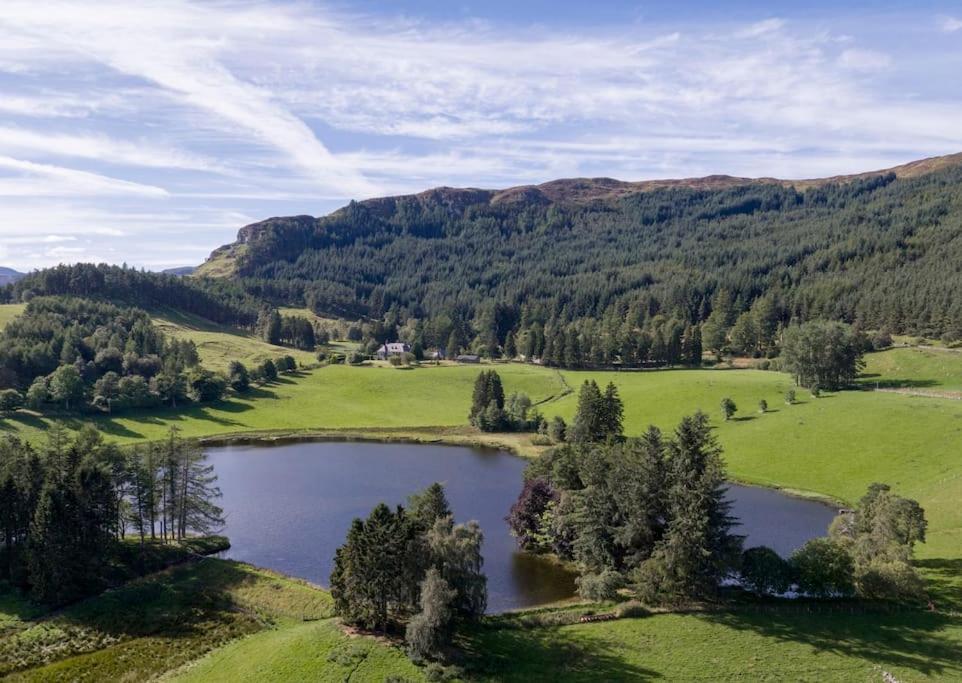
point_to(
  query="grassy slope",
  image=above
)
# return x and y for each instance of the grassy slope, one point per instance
(9, 311)
(788, 646)
(308, 651)
(936, 368)
(218, 346)
(152, 625)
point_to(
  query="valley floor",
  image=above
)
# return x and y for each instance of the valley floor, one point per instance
(246, 624)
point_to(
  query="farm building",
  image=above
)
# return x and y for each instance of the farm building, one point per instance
(392, 349)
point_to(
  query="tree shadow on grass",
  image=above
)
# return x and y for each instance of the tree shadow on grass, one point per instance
(184, 612)
(545, 654)
(114, 428)
(911, 639)
(944, 581)
(872, 382)
(743, 418)
(258, 392)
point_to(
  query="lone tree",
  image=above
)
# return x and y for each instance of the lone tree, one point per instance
(599, 416)
(826, 355)
(728, 408)
(487, 402)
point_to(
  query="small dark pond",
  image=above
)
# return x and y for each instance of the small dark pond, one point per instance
(289, 507)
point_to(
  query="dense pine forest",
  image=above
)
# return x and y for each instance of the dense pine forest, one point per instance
(580, 273)
(880, 251)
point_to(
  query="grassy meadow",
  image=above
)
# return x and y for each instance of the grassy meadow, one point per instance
(217, 346)
(218, 620)
(925, 368)
(9, 311)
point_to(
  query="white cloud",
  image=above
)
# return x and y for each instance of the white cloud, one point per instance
(951, 24)
(864, 60)
(101, 148)
(46, 180)
(235, 110)
(174, 45)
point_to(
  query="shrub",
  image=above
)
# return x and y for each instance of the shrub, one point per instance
(763, 571)
(881, 340)
(823, 568)
(10, 400)
(897, 580)
(728, 408)
(790, 397)
(557, 429)
(763, 406)
(356, 358)
(600, 587)
(632, 610)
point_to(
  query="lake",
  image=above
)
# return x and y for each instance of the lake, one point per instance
(289, 506)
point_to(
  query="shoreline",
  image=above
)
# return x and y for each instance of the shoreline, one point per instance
(514, 443)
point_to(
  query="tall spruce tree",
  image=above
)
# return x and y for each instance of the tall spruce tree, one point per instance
(698, 548)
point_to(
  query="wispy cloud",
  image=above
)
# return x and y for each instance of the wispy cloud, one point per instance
(33, 179)
(162, 118)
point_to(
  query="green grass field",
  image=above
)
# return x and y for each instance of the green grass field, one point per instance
(8, 312)
(922, 368)
(834, 446)
(152, 625)
(217, 346)
(729, 646)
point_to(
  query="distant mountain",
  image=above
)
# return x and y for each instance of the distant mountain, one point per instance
(881, 248)
(9, 275)
(182, 270)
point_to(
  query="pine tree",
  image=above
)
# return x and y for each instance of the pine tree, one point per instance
(698, 548)
(429, 505)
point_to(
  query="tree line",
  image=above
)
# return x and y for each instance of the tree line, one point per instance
(66, 505)
(745, 258)
(649, 516)
(77, 354)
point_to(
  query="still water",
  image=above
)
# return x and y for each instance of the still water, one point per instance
(288, 507)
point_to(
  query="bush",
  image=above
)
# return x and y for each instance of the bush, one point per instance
(880, 580)
(823, 568)
(557, 429)
(632, 610)
(763, 406)
(790, 397)
(600, 587)
(764, 572)
(881, 340)
(728, 408)
(10, 400)
(356, 358)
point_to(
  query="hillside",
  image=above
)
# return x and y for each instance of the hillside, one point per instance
(9, 276)
(881, 247)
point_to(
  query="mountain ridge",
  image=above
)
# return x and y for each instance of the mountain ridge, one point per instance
(563, 190)
(9, 275)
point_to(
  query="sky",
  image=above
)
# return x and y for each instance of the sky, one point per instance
(148, 132)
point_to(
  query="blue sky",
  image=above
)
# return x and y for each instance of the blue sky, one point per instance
(149, 132)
